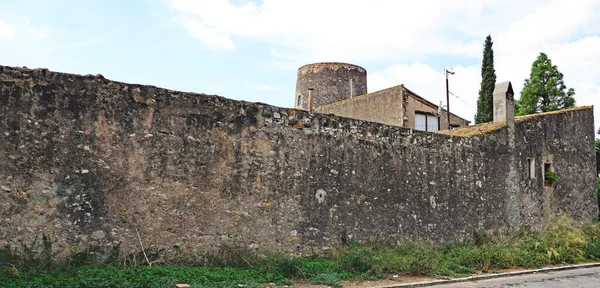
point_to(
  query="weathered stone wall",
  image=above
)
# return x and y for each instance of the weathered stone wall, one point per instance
(97, 162)
(566, 142)
(383, 106)
(330, 81)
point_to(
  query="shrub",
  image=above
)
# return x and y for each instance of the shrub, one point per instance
(533, 254)
(564, 241)
(329, 279)
(356, 260)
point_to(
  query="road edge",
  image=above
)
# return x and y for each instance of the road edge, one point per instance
(489, 276)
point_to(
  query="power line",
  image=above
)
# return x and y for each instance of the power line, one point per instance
(461, 99)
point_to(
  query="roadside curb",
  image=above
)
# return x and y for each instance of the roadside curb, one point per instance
(489, 276)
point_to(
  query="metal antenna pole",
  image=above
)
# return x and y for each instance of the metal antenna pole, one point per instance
(448, 98)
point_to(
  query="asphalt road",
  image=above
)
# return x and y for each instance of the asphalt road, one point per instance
(577, 278)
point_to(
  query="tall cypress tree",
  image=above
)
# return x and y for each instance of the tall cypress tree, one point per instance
(485, 103)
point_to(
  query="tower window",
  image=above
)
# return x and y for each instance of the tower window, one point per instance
(299, 101)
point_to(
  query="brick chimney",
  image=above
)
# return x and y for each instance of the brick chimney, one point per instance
(504, 104)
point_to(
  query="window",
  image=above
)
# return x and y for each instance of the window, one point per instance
(432, 123)
(299, 101)
(531, 168)
(426, 122)
(420, 122)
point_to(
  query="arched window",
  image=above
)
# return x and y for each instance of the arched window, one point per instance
(299, 101)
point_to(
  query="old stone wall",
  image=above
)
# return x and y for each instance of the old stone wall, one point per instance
(565, 142)
(97, 162)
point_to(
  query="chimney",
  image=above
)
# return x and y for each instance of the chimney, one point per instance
(504, 104)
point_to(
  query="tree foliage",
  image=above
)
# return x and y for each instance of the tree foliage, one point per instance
(485, 102)
(545, 89)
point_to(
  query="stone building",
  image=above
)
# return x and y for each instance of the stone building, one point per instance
(341, 89)
(100, 163)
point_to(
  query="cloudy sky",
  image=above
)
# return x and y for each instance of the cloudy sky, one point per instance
(251, 49)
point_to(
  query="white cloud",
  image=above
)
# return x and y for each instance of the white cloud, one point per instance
(415, 39)
(208, 36)
(516, 46)
(6, 31)
(341, 29)
(41, 33)
(579, 61)
(555, 21)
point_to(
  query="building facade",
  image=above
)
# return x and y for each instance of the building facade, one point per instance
(341, 89)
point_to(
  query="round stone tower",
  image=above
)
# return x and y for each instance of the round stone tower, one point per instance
(329, 82)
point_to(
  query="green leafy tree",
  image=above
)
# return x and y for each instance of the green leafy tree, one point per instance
(545, 89)
(488, 82)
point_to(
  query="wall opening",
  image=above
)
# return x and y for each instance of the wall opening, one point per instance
(531, 168)
(299, 101)
(549, 176)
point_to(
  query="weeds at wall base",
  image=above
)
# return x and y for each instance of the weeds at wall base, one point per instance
(35, 265)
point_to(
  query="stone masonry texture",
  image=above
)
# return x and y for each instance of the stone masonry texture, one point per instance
(330, 81)
(94, 162)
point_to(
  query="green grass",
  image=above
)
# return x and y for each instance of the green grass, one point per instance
(561, 243)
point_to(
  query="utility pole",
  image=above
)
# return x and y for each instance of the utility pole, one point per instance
(448, 98)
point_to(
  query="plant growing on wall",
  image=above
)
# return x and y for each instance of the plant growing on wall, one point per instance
(545, 89)
(550, 176)
(488, 82)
